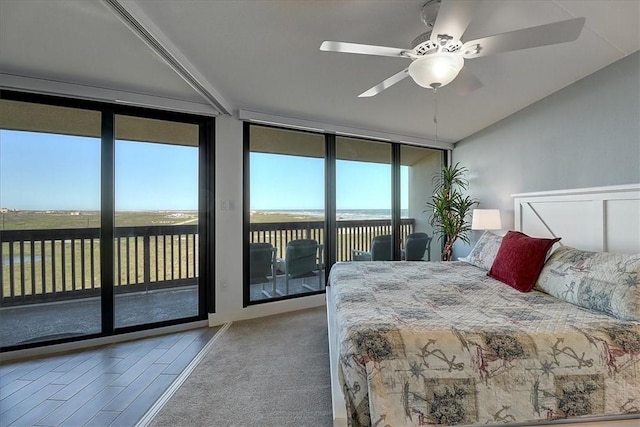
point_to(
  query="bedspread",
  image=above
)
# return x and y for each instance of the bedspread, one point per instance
(442, 343)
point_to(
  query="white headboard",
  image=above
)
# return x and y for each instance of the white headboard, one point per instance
(598, 219)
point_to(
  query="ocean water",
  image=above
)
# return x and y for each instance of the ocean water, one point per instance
(341, 214)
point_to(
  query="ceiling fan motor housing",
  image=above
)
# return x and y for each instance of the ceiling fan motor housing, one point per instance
(423, 45)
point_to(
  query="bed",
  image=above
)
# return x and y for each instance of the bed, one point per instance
(415, 343)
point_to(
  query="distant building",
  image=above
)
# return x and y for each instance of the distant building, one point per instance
(75, 213)
(4, 210)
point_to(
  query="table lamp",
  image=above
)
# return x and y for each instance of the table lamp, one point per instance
(486, 219)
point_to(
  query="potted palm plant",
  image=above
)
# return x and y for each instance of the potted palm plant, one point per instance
(450, 207)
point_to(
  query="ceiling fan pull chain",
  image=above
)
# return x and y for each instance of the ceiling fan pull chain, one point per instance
(435, 111)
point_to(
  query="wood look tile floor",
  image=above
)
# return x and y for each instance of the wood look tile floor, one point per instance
(112, 385)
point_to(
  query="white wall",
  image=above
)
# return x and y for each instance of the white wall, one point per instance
(228, 281)
(585, 135)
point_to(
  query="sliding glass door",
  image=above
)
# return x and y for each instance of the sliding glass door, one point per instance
(106, 216)
(156, 221)
(50, 223)
(363, 200)
(285, 251)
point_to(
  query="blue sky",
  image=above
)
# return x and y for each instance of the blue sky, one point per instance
(48, 171)
(293, 182)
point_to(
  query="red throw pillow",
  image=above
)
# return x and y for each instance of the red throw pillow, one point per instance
(520, 259)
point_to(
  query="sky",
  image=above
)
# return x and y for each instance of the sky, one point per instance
(40, 171)
(294, 182)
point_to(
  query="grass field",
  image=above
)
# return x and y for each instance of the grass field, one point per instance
(38, 220)
(257, 216)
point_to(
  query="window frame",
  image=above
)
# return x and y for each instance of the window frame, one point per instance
(330, 222)
(206, 207)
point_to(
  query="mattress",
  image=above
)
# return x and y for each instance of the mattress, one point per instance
(443, 343)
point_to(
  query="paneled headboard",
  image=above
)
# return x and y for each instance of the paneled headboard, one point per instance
(596, 219)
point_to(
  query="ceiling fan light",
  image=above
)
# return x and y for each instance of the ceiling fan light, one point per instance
(436, 70)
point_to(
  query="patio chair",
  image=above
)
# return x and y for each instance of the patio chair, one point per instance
(415, 246)
(303, 259)
(262, 263)
(380, 250)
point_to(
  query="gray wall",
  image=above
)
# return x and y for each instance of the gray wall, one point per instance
(585, 135)
(420, 190)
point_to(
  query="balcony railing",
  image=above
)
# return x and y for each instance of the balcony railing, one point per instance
(354, 234)
(57, 264)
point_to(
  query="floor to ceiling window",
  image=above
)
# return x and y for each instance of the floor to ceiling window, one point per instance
(156, 220)
(105, 214)
(50, 208)
(346, 198)
(363, 200)
(286, 213)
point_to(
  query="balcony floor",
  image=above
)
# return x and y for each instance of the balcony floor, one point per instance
(54, 320)
(46, 321)
(297, 286)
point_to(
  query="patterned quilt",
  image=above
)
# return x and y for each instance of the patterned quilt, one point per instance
(441, 343)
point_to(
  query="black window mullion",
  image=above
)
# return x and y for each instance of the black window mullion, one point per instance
(395, 201)
(206, 219)
(107, 231)
(246, 196)
(330, 223)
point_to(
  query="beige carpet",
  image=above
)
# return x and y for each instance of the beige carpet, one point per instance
(272, 371)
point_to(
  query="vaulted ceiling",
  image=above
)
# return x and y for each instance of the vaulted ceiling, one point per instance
(264, 56)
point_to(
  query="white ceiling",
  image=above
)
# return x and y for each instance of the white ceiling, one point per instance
(263, 56)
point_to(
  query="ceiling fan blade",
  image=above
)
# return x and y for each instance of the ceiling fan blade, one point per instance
(542, 35)
(385, 84)
(466, 82)
(453, 18)
(363, 49)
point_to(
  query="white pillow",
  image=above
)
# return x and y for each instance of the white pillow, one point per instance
(484, 252)
(601, 281)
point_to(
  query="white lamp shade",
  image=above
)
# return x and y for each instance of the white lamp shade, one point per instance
(437, 69)
(486, 219)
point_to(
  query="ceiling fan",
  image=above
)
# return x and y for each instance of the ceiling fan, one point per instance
(438, 55)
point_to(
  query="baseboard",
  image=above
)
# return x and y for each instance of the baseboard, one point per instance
(268, 309)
